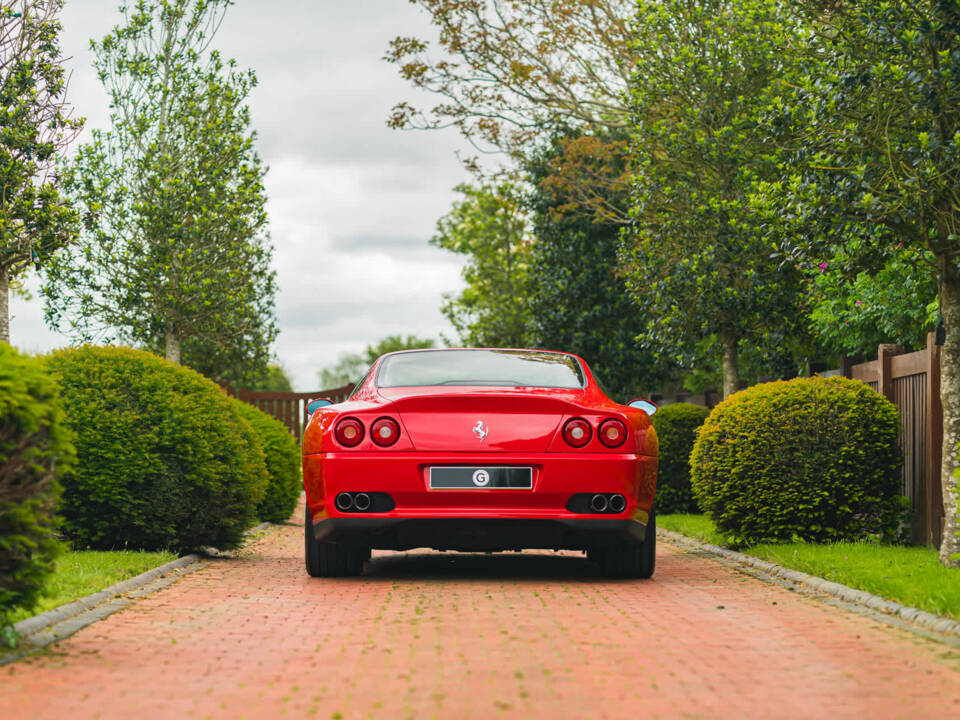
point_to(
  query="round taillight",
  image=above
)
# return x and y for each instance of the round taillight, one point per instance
(349, 432)
(612, 433)
(384, 431)
(577, 432)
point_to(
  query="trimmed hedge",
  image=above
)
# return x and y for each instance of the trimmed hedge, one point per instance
(676, 427)
(811, 459)
(164, 460)
(35, 450)
(282, 455)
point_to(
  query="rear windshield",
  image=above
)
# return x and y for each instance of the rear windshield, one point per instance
(509, 368)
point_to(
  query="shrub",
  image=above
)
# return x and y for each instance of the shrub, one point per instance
(676, 427)
(163, 458)
(35, 449)
(808, 459)
(282, 455)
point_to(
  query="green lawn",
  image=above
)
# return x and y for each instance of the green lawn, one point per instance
(910, 575)
(89, 571)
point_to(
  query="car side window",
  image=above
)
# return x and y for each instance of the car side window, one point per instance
(359, 385)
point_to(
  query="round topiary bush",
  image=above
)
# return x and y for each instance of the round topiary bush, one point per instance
(282, 455)
(163, 458)
(676, 427)
(35, 450)
(811, 459)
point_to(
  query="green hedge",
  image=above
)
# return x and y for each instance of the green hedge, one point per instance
(35, 450)
(164, 460)
(676, 427)
(808, 459)
(282, 455)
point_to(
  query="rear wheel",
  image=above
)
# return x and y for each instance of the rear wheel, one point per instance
(327, 559)
(629, 560)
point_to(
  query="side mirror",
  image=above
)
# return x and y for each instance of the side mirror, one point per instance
(646, 405)
(316, 404)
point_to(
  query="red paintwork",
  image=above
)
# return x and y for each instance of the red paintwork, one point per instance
(525, 428)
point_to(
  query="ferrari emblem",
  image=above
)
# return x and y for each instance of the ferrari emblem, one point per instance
(480, 430)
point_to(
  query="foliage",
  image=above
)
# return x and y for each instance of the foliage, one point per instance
(164, 459)
(697, 258)
(853, 310)
(275, 378)
(81, 573)
(35, 451)
(676, 427)
(876, 111)
(506, 70)
(350, 367)
(490, 227)
(282, 456)
(908, 575)
(173, 253)
(577, 302)
(35, 127)
(810, 459)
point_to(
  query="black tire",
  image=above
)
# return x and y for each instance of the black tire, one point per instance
(328, 559)
(630, 560)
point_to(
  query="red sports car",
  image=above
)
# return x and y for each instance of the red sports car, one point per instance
(479, 450)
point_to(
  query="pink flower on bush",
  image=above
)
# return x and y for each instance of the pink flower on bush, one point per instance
(822, 266)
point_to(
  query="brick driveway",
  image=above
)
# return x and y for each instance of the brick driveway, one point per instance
(431, 635)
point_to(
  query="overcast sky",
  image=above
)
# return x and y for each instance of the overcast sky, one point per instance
(352, 203)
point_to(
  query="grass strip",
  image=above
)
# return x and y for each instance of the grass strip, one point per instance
(85, 572)
(909, 575)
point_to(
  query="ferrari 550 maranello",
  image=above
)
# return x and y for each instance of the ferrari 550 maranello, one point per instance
(479, 450)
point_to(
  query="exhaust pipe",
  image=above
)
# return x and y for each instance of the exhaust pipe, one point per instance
(618, 503)
(361, 501)
(344, 502)
(598, 503)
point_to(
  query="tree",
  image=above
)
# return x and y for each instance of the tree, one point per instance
(173, 253)
(35, 127)
(508, 69)
(878, 113)
(275, 378)
(578, 301)
(489, 226)
(351, 366)
(697, 258)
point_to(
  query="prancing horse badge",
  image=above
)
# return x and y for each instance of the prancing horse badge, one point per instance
(480, 430)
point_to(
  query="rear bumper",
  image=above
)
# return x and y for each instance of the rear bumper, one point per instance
(479, 534)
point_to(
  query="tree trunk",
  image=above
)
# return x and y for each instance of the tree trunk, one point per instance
(172, 349)
(5, 304)
(731, 370)
(950, 399)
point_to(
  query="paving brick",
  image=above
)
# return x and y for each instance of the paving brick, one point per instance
(430, 635)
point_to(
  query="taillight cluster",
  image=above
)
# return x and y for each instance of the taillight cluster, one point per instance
(577, 432)
(383, 431)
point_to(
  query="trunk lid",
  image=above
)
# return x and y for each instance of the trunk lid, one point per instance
(483, 419)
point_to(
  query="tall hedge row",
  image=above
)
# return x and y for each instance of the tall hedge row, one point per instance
(35, 450)
(676, 427)
(282, 456)
(164, 458)
(810, 459)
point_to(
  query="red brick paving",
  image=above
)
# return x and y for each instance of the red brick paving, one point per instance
(444, 636)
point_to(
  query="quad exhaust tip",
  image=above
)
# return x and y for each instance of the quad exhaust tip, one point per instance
(598, 503)
(361, 501)
(344, 502)
(618, 503)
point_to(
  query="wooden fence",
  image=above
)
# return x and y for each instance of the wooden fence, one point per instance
(290, 408)
(911, 381)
